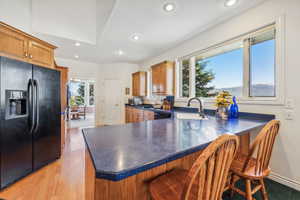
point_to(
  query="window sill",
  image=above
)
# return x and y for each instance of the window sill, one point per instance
(249, 101)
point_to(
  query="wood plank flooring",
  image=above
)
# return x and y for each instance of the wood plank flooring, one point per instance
(61, 180)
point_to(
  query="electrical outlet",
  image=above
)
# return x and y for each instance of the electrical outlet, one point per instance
(289, 115)
(289, 104)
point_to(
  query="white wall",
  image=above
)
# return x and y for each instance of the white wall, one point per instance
(79, 69)
(85, 71)
(285, 162)
(99, 72)
(16, 13)
(120, 71)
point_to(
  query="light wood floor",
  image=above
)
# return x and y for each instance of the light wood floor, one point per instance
(61, 180)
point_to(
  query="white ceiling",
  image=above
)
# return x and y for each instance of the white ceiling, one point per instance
(105, 26)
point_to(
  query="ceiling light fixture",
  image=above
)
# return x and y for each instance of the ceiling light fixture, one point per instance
(76, 56)
(77, 44)
(120, 52)
(230, 3)
(135, 37)
(169, 7)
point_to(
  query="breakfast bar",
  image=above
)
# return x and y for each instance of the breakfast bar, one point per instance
(122, 159)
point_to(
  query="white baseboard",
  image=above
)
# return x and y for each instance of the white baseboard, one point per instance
(285, 181)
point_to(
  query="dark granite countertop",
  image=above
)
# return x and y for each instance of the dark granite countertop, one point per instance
(121, 151)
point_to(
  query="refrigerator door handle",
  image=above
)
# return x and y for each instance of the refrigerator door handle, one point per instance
(30, 106)
(36, 125)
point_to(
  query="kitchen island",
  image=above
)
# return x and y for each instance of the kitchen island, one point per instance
(122, 159)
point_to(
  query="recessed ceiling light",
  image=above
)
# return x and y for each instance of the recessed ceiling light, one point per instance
(169, 7)
(76, 56)
(120, 52)
(77, 44)
(230, 3)
(135, 37)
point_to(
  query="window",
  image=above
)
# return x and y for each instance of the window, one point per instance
(91, 94)
(82, 93)
(185, 78)
(245, 67)
(262, 65)
(77, 89)
(220, 69)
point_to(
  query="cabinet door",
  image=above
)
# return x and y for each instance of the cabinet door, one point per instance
(162, 79)
(40, 54)
(148, 115)
(156, 79)
(127, 114)
(135, 84)
(140, 115)
(13, 44)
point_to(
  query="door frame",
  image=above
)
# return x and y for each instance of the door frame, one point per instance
(85, 79)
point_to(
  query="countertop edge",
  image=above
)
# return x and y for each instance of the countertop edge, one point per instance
(117, 176)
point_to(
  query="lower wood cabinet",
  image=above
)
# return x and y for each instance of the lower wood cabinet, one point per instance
(133, 115)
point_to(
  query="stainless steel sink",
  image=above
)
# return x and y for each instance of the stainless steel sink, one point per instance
(195, 116)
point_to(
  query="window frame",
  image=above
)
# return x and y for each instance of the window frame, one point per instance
(279, 99)
(86, 90)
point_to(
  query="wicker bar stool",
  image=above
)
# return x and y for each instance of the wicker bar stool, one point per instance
(205, 180)
(253, 168)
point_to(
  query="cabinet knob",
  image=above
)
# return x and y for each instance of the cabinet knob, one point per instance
(25, 54)
(30, 56)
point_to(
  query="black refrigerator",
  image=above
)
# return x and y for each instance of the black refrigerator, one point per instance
(29, 119)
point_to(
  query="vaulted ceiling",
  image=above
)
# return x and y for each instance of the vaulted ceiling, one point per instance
(103, 27)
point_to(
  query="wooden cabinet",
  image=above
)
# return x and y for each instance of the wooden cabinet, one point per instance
(128, 115)
(40, 54)
(148, 115)
(21, 46)
(133, 115)
(139, 84)
(163, 78)
(13, 44)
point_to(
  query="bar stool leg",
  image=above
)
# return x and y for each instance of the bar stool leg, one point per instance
(263, 190)
(248, 190)
(233, 180)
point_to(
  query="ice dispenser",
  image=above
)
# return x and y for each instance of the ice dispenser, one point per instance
(16, 104)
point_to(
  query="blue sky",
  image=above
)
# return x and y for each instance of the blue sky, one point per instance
(228, 67)
(74, 85)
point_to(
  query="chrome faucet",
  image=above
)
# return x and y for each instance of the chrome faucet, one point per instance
(201, 112)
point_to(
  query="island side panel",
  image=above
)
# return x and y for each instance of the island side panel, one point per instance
(90, 176)
(245, 143)
(136, 187)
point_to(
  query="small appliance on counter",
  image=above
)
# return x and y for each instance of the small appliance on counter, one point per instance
(135, 101)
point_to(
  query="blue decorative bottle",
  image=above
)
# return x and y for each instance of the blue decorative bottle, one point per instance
(234, 109)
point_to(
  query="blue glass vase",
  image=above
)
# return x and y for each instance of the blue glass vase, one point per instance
(234, 109)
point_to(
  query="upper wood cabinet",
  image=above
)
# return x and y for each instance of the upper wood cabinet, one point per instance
(40, 54)
(163, 78)
(21, 46)
(139, 84)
